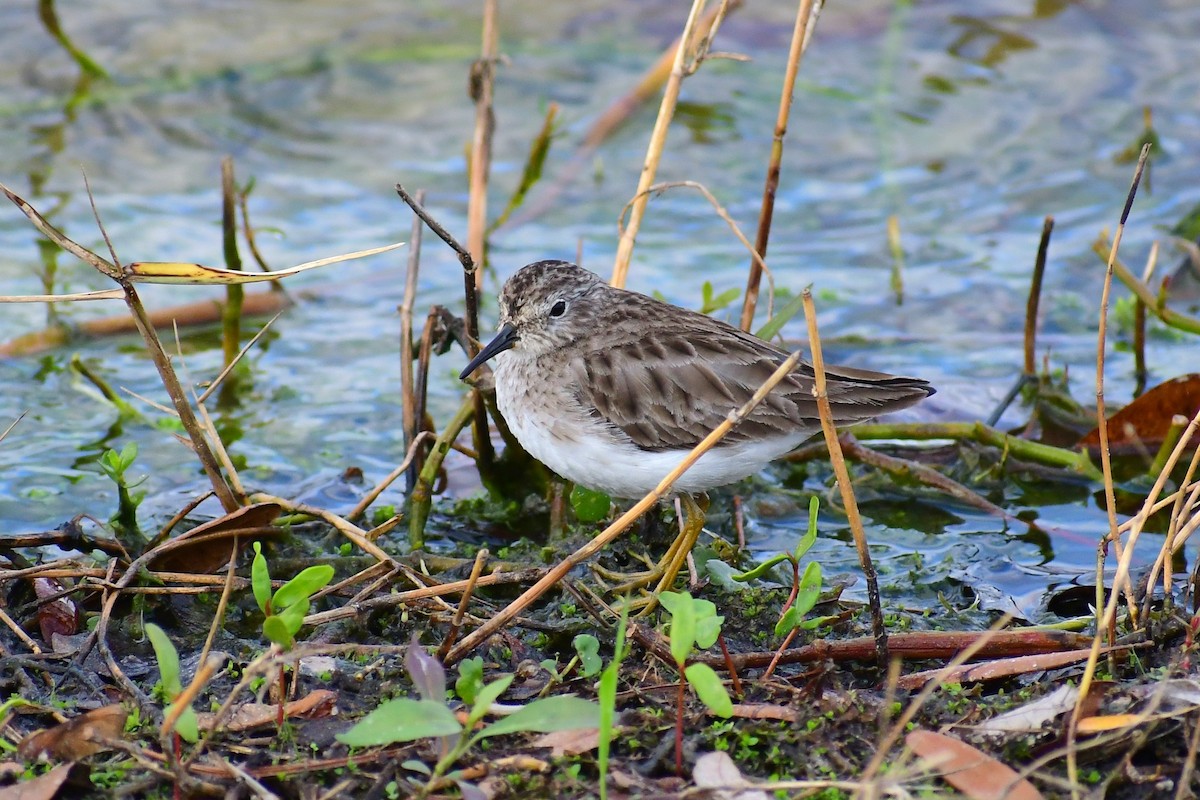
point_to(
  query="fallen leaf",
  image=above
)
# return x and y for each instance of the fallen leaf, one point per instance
(317, 703)
(1035, 716)
(76, 738)
(206, 548)
(1143, 424)
(59, 615)
(46, 787)
(569, 743)
(973, 772)
(716, 772)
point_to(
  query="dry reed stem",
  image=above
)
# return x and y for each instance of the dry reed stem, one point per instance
(806, 19)
(223, 603)
(618, 527)
(408, 386)
(1176, 535)
(410, 456)
(1139, 325)
(1035, 296)
(1155, 304)
(843, 478)
(481, 558)
(654, 151)
(161, 361)
(483, 79)
(1108, 617)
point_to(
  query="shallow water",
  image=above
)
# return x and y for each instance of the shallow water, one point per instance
(968, 121)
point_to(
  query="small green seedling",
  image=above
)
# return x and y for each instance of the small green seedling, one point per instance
(285, 610)
(806, 588)
(694, 623)
(587, 655)
(124, 520)
(186, 726)
(405, 719)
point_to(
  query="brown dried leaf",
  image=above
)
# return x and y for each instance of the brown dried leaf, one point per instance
(1144, 422)
(206, 547)
(315, 704)
(59, 615)
(569, 743)
(45, 787)
(76, 738)
(973, 772)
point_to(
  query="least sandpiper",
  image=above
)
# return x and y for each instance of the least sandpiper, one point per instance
(611, 388)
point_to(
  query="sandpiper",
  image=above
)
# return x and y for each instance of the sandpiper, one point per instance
(610, 389)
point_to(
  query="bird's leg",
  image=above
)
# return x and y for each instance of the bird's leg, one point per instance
(664, 573)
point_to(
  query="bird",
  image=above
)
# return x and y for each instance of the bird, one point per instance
(610, 389)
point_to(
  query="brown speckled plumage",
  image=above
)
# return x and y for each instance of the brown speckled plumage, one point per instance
(597, 374)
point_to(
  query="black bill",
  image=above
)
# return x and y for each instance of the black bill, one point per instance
(505, 338)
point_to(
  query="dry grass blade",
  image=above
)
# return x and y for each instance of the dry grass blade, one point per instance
(176, 272)
(77, 297)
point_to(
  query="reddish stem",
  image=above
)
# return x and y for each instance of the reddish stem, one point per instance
(679, 724)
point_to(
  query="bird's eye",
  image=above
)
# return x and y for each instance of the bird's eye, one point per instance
(558, 309)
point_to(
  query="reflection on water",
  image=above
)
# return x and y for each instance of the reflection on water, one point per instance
(967, 121)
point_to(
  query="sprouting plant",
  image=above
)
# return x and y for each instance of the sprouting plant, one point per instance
(186, 726)
(806, 588)
(694, 623)
(284, 611)
(715, 302)
(587, 656)
(406, 719)
(124, 520)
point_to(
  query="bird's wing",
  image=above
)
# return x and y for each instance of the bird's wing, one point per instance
(668, 390)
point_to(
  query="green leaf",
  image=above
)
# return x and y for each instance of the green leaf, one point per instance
(607, 694)
(276, 630)
(807, 595)
(810, 536)
(558, 713)
(167, 658)
(776, 323)
(589, 506)
(260, 580)
(187, 725)
(486, 696)
(707, 630)
(588, 648)
(683, 624)
(293, 617)
(709, 689)
(761, 569)
(402, 720)
(470, 679)
(310, 581)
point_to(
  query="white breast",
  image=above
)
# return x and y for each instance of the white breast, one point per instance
(549, 423)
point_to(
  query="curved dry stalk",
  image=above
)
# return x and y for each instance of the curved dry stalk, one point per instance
(1107, 618)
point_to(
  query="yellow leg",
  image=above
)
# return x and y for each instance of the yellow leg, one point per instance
(665, 572)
